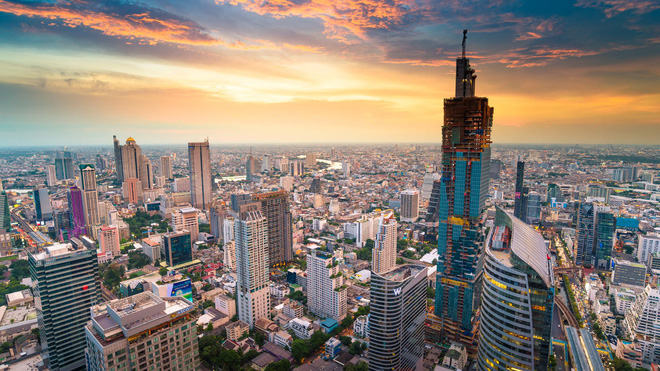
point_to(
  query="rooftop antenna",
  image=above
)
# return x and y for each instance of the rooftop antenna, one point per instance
(464, 37)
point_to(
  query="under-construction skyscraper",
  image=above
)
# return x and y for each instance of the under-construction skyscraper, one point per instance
(464, 186)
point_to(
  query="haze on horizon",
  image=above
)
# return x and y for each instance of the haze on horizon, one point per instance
(322, 71)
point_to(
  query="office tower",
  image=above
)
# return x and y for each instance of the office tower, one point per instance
(217, 216)
(266, 163)
(64, 165)
(554, 191)
(165, 339)
(76, 212)
(409, 205)
(432, 211)
(465, 176)
(199, 164)
(598, 191)
(326, 292)
(521, 196)
(282, 164)
(251, 166)
(166, 167)
(315, 187)
(427, 185)
(90, 197)
(186, 219)
(51, 175)
(642, 324)
(146, 173)
(177, 248)
(240, 199)
(646, 245)
(310, 160)
(119, 167)
(396, 321)
(275, 208)
(42, 204)
(132, 191)
(181, 184)
(286, 182)
(517, 274)
(604, 237)
(533, 215)
(101, 162)
(584, 233)
(109, 239)
(495, 168)
(65, 285)
(384, 251)
(252, 291)
(346, 169)
(297, 168)
(5, 224)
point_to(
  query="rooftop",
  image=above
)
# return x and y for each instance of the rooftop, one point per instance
(403, 272)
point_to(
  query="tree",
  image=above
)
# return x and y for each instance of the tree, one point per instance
(553, 362)
(162, 271)
(19, 269)
(430, 293)
(346, 340)
(259, 339)
(355, 348)
(281, 365)
(209, 328)
(250, 355)
(362, 366)
(299, 350)
(346, 322)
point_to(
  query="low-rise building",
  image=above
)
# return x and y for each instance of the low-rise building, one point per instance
(293, 309)
(332, 348)
(361, 326)
(236, 330)
(283, 339)
(628, 273)
(303, 329)
(226, 305)
(456, 357)
(19, 298)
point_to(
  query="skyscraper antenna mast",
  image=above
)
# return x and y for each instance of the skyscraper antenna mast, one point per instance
(464, 37)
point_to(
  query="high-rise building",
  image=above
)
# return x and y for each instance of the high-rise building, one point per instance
(409, 205)
(239, 199)
(166, 167)
(599, 191)
(522, 193)
(109, 240)
(51, 175)
(229, 255)
(427, 185)
(286, 182)
(217, 216)
(76, 212)
(326, 292)
(90, 197)
(186, 219)
(310, 160)
(384, 251)
(64, 165)
(297, 168)
(517, 274)
(275, 208)
(142, 332)
(554, 191)
(177, 248)
(533, 215)
(65, 285)
(252, 166)
(252, 290)
(642, 324)
(584, 233)
(468, 121)
(132, 191)
(199, 164)
(432, 211)
(604, 237)
(131, 156)
(396, 321)
(251, 233)
(119, 167)
(42, 204)
(5, 224)
(346, 169)
(315, 187)
(495, 168)
(146, 173)
(595, 232)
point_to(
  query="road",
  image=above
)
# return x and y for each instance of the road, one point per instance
(558, 334)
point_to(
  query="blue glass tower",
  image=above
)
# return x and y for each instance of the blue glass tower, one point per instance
(464, 186)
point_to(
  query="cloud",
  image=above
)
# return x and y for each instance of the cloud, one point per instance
(134, 23)
(612, 8)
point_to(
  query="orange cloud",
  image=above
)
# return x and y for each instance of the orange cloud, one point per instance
(141, 25)
(614, 7)
(344, 20)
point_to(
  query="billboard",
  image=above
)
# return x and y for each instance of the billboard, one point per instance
(181, 288)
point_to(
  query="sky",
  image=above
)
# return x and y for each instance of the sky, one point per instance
(76, 72)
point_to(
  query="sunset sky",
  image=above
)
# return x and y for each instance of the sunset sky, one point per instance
(308, 71)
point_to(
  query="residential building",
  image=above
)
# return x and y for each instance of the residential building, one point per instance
(361, 326)
(146, 173)
(585, 233)
(51, 176)
(409, 205)
(303, 329)
(456, 357)
(229, 255)
(326, 292)
(293, 309)
(109, 240)
(332, 348)
(642, 325)
(65, 285)
(225, 305)
(199, 164)
(310, 160)
(646, 245)
(517, 274)
(132, 191)
(166, 167)
(275, 208)
(396, 321)
(251, 233)
(142, 332)
(186, 219)
(236, 330)
(384, 251)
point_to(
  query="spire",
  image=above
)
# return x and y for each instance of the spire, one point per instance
(465, 77)
(464, 38)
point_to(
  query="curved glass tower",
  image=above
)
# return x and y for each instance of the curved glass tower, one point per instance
(517, 298)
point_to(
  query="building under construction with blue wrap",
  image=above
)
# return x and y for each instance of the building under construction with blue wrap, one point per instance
(461, 203)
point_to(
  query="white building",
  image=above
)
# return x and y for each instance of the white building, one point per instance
(642, 323)
(229, 255)
(286, 182)
(303, 329)
(186, 219)
(646, 246)
(427, 186)
(51, 176)
(384, 251)
(361, 326)
(346, 169)
(226, 305)
(326, 292)
(409, 205)
(251, 233)
(228, 229)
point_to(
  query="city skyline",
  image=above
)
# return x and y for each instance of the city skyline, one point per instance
(582, 70)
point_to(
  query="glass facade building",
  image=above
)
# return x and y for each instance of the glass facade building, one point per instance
(178, 248)
(517, 299)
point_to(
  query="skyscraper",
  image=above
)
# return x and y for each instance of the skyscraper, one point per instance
(517, 274)
(252, 291)
(584, 233)
(109, 240)
(251, 166)
(90, 197)
(42, 204)
(409, 205)
(533, 215)
(604, 237)
(64, 165)
(396, 321)
(146, 173)
(130, 163)
(384, 251)
(275, 208)
(521, 196)
(239, 199)
(464, 186)
(76, 212)
(119, 167)
(199, 164)
(326, 292)
(65, 285)
(51, 175)
(310, 160)
(166, 167)
(642, 324)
